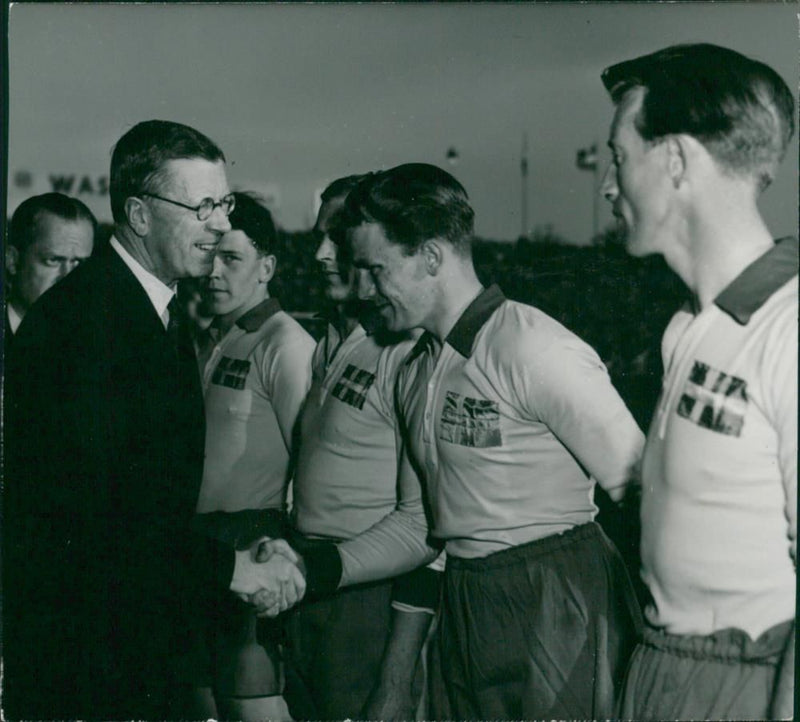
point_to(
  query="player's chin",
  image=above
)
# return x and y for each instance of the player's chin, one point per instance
(391, 320)
(635, 244)
(215, 308)
(337, 294)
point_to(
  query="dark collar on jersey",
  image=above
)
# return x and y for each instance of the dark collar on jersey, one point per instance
(462, 335)
(364, 312)
(254, 319)
(370, 318)
(755, 284)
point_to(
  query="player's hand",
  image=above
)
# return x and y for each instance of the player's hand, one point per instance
(266, 547)
(291, 591)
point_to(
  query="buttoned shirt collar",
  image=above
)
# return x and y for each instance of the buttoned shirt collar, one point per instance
(158, 292)
(254, 319)
(462, 335)
(756, 283)
(14, 319)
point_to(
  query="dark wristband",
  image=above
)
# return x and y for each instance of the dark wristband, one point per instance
(323, 568)
(419, 588)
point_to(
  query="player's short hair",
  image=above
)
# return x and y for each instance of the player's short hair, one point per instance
(255, 221)
(413, 203)
(740, 109)
(341, 187)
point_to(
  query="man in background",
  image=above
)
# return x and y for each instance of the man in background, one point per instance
(255, 372)
(104, 438)
(698, 134)
(49, 236)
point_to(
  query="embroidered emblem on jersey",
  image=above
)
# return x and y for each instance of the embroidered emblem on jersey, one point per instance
(470, 422)
(714, 400)
(231, 372)
(353, 386)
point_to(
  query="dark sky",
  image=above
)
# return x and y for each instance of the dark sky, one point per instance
(299, 94)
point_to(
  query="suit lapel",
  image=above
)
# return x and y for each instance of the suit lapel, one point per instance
(126, 299)
(136, 325)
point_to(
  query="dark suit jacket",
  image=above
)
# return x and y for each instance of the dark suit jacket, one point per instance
(104, 442)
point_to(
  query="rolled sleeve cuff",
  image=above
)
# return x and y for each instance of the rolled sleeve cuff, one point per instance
(408, 609)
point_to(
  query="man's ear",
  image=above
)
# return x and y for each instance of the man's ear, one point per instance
(268, 265)
(432, 254)
(676, 159)
(12, 260)
(138, 216)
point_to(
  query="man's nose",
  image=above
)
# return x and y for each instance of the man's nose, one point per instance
(609, 185)
(364, 285)
(65, 267)
(216, 267)
(218, 221)
(326, 250)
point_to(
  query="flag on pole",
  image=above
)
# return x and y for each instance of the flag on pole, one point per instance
(587, 158)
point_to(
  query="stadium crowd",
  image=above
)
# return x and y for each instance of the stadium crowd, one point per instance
(386, 470)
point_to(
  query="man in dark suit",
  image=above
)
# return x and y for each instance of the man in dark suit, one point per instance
(103, 577)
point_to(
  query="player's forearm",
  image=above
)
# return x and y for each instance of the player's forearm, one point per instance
(392, 697)
(395, 545)
(409, 631)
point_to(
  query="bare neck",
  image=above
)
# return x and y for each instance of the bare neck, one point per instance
(718, 246)
(225, 322)
(345, 316)
(458, 288)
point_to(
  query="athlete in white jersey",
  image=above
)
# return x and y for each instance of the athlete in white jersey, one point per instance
(699, 132)
(255, 370)
(353, 647)
(509, 419)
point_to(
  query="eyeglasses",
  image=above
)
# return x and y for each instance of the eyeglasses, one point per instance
(206, 206)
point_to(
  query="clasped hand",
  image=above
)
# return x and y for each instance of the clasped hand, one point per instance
(267, 576)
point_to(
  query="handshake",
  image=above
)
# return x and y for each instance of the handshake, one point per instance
(270, 575)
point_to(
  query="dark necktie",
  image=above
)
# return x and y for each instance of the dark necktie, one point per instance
(179, 336)
(175, 323)
(180, 340)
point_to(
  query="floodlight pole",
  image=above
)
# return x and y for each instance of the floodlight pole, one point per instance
(595, 198)
(523, 168)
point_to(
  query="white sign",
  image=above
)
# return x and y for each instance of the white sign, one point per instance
(91, 187)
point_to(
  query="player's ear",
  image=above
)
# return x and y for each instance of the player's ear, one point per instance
(676, 159)
(267, 270)
(432, 253)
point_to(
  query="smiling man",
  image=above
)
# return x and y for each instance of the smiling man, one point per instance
(510, 420)
(698, 134)
(104, 435)
(255, 374)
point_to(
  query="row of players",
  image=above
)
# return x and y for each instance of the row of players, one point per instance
(472, 446)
